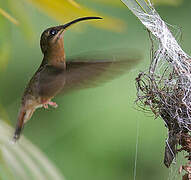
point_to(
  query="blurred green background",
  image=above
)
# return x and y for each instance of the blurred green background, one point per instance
(93, 133)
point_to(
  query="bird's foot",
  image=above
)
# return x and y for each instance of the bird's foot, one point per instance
(45, 106)
(53, 104)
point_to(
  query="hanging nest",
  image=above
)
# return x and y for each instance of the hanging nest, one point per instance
(166, 90)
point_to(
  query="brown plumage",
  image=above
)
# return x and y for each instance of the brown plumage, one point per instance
(55, 75)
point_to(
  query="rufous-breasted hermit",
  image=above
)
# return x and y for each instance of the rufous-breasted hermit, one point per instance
(57, 74)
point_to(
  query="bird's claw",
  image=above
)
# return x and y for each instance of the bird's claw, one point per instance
(53, 104)
(45, 106)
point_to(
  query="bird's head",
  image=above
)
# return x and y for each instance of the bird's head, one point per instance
(52, 38)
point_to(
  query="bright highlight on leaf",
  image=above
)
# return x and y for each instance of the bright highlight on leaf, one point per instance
(23, 160)
(8, 16)
(67, 10)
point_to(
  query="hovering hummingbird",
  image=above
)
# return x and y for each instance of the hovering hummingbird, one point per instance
(56, 75)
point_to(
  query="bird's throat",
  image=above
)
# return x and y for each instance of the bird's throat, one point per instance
(55, 57)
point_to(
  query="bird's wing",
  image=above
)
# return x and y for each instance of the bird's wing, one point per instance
(85, 73)
(51, 81)
(80, 73)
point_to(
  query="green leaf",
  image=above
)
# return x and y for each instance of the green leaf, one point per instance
(23, 159)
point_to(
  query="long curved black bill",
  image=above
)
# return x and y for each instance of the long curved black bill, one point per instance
(65, 26)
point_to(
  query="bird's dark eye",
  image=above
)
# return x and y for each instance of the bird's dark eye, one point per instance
(53, 31)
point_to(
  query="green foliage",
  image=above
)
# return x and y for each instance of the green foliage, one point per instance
(23, 160)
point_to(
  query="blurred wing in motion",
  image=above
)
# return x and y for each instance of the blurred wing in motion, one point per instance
(51, 81)
(80, 73)
(94, 71)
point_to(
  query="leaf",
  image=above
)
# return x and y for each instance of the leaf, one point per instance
(5, 172)
(23, 160)
(66, 10)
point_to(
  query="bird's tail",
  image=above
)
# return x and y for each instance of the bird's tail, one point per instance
(23, 117)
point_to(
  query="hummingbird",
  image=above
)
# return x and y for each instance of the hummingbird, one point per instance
(56, 74)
